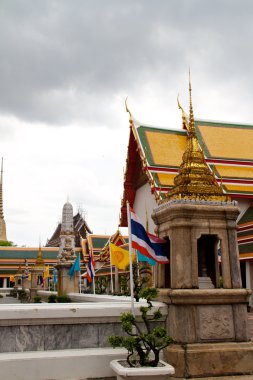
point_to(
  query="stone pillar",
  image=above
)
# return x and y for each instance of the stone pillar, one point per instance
(209, 325)
(25, 283)
(18, 281)
(65, 283)
(36, 272)
(116, 280)
(5, 282)
(66, 255)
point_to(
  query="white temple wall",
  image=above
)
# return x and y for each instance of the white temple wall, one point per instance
(243, 204)
(144, 204)
(249, 279)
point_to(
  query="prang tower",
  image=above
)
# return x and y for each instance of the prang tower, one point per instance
(3, 236)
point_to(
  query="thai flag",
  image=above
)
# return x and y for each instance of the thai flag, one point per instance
(149, 245)
(90, 268)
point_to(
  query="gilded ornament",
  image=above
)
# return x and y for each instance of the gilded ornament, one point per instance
(194, 179)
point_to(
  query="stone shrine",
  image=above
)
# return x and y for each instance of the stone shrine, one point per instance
(25, 277)
(207, 307)
(37, 276)
(66, 256)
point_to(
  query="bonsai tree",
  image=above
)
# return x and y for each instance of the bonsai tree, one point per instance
(143, 344)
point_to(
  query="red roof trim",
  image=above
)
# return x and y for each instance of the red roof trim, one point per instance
(161, 169)
(231, 162)
(235, 180)
(245, 241)
(246, 228)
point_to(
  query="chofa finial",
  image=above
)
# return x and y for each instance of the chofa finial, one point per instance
(127, 110)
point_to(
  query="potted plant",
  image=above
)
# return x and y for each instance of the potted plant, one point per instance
(143, 343)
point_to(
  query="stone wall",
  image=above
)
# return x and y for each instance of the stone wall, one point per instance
(42, 327)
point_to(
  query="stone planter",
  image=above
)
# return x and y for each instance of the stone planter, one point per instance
(141, 373)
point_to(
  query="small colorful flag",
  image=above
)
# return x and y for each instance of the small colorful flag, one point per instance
(55, 276)
(119, 256)
(145, 259)
(219, 252)
(149, 245)
(46, 273)
(75, 267)
(90, 267)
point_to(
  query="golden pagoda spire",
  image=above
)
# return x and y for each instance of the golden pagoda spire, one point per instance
(194, 179)
(1, 192)
(39, 261)
(3, 236)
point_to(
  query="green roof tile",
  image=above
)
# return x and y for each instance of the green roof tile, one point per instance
(247, 216)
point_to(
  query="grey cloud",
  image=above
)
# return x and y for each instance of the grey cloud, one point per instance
(60, 59)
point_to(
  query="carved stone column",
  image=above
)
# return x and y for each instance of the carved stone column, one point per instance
(209, 325)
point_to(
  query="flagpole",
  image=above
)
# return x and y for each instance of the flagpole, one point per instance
(137, 262)
(111, 266)
(94, 291)
(80, 280)
(130, 257)
(94, 268)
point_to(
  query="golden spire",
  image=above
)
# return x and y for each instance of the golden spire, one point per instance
(1, 192)
(39, 261)
(194, 179)
(3, 236)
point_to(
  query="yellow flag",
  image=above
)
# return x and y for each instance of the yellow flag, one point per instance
(46, 273)
(119, 256)
(30, 277)
(12, 278)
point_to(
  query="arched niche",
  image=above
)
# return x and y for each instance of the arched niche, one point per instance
(209, 256)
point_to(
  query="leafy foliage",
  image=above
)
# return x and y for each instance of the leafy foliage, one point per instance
(141, 275)
(101, 284)
(7, 244)
(52, 298)
(13, 293)
(143, 346)
(64, 298)
(23, 296)
(37, 299)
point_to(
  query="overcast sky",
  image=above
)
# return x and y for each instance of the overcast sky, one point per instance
(65, 70)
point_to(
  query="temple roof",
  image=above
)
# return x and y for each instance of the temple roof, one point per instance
(13, 257)
(245, 234)
(80, 228)
(228, 151)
